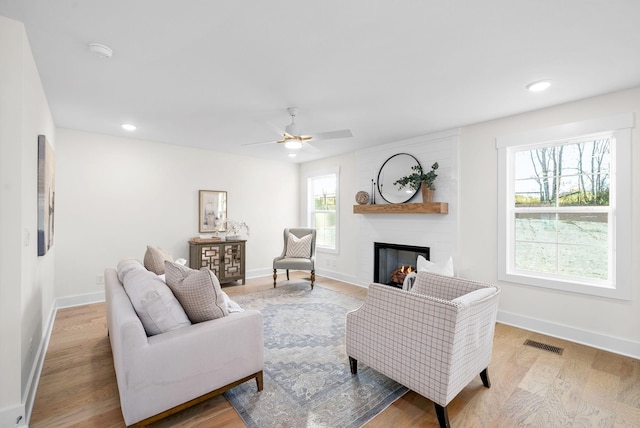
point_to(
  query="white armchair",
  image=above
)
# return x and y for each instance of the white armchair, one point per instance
(433, 339)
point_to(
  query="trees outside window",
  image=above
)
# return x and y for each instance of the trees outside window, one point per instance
(323, 208)
(564, 207)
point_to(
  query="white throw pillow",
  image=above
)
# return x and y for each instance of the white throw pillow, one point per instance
(444, 268)
(299, 247)
(155, 304)
(126, 265)
(479, 294)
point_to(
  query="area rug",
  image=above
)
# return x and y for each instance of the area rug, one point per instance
(307, 380)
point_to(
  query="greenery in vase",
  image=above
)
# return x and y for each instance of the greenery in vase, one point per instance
(418, 177)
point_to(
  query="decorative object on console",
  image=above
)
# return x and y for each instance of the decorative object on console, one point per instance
(234, 228)
(390, 172)
(362, 197)
(212, 211)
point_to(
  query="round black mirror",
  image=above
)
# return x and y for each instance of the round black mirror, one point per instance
(393, 169)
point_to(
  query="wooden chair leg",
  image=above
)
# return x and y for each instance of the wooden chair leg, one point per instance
(275, 275)
(484, 375)
(353, 363)
(443, 416)
(287, 274)
(313, 278)
(259, 381)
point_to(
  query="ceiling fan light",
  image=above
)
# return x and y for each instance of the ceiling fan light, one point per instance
(293, 144)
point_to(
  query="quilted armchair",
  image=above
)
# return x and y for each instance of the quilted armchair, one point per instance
(433, 339)
(298, 253)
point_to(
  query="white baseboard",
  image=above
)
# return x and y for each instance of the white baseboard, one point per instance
(36, 370)
(13, 417)
(83, 299)
(572, 334)
(340, 277)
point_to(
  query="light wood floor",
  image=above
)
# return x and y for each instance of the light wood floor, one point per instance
(583, 387)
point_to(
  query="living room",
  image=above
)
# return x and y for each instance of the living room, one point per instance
(115, 195)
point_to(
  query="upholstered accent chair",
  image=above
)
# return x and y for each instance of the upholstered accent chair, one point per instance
(299, 252)
(433, 339)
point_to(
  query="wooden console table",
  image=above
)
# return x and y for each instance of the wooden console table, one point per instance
(225, 258)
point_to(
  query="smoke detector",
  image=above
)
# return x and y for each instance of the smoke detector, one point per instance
(100, 50)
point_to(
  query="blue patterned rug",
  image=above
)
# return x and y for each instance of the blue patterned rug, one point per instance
(307, 381)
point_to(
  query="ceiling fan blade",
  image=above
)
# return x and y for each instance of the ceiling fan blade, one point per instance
(259, 144)
(331, 135)
(309, 148)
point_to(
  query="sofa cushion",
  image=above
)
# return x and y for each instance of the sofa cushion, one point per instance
(154, 259)
(443, 268)
(299, 247)
(126, 265)
(198, 291)
(155, 304)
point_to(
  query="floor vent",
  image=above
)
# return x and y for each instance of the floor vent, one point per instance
(544, 346)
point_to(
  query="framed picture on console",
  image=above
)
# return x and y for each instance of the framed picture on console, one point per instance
(212, 211)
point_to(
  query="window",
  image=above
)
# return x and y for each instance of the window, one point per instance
(322, 208)
(564, 207)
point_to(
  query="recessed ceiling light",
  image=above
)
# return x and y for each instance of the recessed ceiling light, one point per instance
(293, 144)
(538, 86)
(292, 155)
(100, 50)
(128, 127)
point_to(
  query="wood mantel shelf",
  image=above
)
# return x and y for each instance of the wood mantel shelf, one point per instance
(421, 208)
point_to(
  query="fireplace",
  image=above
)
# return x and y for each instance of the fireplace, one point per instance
(389, 260)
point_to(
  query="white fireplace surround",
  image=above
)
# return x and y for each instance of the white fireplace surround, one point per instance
(439, 232)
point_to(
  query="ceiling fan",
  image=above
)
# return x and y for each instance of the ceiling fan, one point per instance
(293, 139)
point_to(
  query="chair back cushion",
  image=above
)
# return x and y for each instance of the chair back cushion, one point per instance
(299, 247)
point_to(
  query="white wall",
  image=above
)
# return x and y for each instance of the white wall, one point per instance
(341, 265)
(26, 280)
(439, 232)
(116, 195)
(601, 322)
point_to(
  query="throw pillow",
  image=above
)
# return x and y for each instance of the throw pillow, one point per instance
(198, 291)
(443, 268)
(153, 301)
(299, 247)
(154, 259)
(127, 265)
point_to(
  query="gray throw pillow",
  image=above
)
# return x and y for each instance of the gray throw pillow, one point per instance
(198, 291)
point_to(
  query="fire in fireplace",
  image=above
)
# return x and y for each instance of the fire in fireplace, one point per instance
(392, 262)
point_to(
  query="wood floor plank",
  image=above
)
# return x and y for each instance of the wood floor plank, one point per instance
(583, 387)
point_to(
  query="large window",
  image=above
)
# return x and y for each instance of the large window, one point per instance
(564, 207)
(323, 208)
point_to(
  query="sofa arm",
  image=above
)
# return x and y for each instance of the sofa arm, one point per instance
(185, 363)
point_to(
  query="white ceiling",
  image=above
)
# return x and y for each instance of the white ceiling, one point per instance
(220, 74)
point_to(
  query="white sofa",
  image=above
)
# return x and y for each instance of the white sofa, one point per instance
(165, 373)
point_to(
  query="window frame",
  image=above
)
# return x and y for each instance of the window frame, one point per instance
(310, 208)
(619, 127)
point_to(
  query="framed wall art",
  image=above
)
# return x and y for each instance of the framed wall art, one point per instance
(213, 211)
(46, 195)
